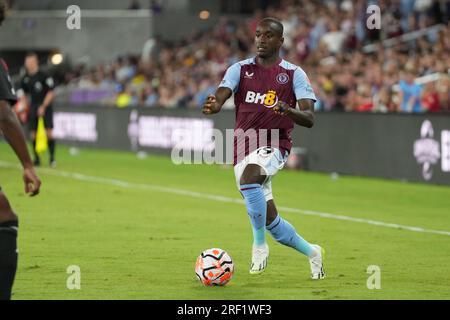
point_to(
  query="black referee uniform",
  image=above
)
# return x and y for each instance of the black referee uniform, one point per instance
(37, 86)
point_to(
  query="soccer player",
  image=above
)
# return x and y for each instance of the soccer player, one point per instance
(266, 91)
(12, 130)
(39, 86)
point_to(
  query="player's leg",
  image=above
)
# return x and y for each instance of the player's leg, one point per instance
(251, 188)
(8, 247)
(283, 232)
(32, 126)
(51, 147)
(48, 122)
(251, 182)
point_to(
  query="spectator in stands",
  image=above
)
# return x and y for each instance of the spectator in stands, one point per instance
(324, 37)
(430, 98)
(443, 90)
(150, 97)
(382, 100)
(334, 39)
(126, 97)
(410, 93)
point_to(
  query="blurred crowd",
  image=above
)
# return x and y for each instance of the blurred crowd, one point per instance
(329, 39)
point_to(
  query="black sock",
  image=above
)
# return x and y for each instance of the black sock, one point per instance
(51, 147)
(37, 160)
(8, 257)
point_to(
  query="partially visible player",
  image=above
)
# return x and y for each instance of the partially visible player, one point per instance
(12, 131)
(39, 86)
(266, 91)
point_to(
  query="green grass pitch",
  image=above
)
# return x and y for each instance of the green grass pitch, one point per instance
(140, 241)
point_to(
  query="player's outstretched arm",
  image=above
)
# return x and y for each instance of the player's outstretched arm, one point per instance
(10, 127)
(303, 117)
(214, 102)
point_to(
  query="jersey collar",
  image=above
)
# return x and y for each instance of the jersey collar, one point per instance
(278, 63)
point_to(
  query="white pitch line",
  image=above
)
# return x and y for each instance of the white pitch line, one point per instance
(200, 195)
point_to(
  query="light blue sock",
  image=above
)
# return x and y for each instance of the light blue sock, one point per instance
(257, 211)
(284, 233)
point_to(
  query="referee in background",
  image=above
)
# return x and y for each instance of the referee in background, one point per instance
(39, 87)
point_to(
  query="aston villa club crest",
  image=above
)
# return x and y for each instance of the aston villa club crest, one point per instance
(282, 78)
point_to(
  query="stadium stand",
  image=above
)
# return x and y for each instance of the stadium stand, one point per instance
(352, 68)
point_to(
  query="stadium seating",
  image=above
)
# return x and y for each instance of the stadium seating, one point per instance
(352, 68)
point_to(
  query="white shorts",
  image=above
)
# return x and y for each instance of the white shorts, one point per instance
(269, 159)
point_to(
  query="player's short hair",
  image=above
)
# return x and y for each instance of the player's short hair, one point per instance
(31, 54)
(275, 23)
(2, 11)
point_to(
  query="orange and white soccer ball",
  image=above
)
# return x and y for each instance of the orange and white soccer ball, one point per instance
(214, 267)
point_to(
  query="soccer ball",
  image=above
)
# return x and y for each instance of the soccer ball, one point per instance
(214, 267)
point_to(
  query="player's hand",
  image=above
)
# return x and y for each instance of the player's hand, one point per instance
(282, 108)
(41, 111)
(210, 105)
(32, 182)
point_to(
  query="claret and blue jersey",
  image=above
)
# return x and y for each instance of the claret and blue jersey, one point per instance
(257, 89)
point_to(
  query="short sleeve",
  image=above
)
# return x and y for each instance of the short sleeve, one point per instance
(232, 77)
(302, 86)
